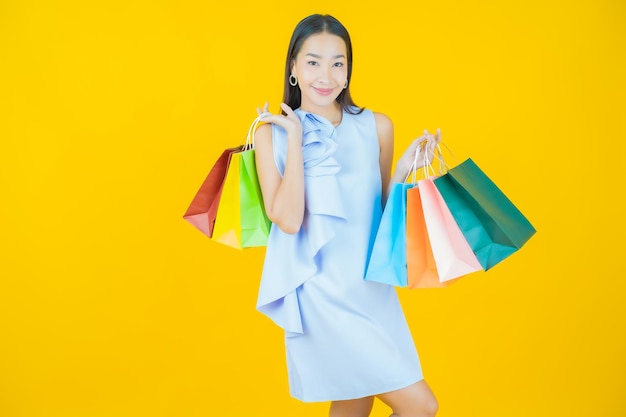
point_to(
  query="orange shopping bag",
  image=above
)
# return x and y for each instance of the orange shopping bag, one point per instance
(420, 262)
(437, 252)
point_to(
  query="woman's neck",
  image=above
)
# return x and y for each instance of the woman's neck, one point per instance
(332, 113)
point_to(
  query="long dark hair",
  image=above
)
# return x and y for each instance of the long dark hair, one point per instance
(308, 26)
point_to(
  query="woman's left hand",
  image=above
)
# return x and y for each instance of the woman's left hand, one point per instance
(414, 158)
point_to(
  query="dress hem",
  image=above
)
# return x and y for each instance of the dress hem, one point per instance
(369, 393)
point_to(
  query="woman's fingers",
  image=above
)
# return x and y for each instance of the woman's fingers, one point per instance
(438, 136)
(265, 109)
(289, 121)
(290, 114)
(272, 118)
(286, 108)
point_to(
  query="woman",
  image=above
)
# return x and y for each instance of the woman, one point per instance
(324, 167)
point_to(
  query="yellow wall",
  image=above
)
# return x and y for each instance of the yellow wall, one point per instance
(112, 113)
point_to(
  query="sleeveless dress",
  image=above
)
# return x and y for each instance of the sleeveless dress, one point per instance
(345, 337)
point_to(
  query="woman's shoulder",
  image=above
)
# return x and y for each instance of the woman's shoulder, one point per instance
(269, 132)
(262, 136)
(264, 131)
(381, 119)
(378, 120)
(384, 124)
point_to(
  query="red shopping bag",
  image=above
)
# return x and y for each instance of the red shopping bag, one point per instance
(203, 208)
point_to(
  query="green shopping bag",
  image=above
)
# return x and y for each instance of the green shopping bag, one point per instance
(241, 221)
(255, 225)
(490, 222)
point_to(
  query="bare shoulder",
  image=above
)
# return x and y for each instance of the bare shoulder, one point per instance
(383, 121)
(263, 132)
(384, 128)
(263, 135)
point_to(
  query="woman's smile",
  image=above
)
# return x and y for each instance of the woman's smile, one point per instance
(323, 91)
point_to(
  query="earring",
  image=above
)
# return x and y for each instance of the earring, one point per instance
(345, 85)
(293, 81)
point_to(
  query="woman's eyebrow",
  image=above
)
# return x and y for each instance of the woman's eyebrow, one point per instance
(311, 54)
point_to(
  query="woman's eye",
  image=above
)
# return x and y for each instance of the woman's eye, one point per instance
(338, 64)
(312, 62)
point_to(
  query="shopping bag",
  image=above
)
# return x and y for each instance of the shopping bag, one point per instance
(420, 262)
(491, 224)
(241, 221)
(387, 262)
(255, 225)
(453, 255)
(227, 229)
(203, 208)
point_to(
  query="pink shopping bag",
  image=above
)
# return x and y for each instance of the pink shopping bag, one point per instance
(453, 255)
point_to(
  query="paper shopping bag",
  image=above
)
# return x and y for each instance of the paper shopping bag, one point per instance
(203, 208)
(229, 206)
(255, 225)
(227, 228)
(420, 262)
(453, 255)
(491, 224)
(387, 262)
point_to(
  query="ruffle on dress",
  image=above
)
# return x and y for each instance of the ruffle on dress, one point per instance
(291, 259)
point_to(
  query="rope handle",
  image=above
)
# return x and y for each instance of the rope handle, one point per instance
(428, 166)
(413, 169)
(252, 130)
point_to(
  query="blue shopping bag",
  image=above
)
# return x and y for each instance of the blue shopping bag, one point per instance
(387, 262)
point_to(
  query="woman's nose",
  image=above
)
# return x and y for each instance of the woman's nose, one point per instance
(324, 76)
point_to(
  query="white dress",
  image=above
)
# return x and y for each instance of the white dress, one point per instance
(345, 337)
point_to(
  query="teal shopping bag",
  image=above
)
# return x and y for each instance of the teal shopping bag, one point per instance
(387, 262)
(255, 225)
(490, 222)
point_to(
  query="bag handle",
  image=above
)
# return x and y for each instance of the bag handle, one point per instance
(413, 168)
(428, 165)
(429, 141)
(253, 126)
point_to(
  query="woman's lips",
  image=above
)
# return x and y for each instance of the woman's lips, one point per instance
(323, 91)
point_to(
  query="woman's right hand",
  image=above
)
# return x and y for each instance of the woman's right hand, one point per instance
(283, 195)
(289, 121)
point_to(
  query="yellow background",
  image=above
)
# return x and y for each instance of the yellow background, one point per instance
(112, 113)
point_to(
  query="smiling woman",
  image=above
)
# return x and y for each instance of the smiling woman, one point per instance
(323, 72)
(320, 50)
(112, 111)
(323, 166)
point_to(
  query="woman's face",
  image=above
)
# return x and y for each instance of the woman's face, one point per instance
(322, 70)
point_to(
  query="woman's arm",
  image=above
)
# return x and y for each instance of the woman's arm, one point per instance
(283, 196)
(384, 129)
